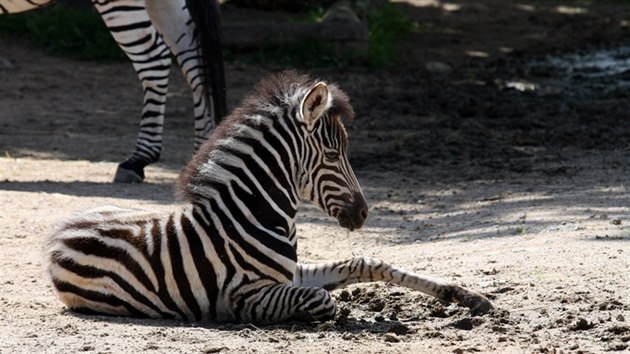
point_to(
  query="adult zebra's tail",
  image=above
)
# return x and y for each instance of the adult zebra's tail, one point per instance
(206, 16)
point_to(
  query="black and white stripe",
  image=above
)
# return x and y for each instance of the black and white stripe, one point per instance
(230, 253)
(151, 32)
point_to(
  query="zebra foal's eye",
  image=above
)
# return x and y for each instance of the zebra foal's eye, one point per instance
(332, 155)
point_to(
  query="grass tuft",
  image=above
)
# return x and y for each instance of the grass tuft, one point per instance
(386, 24)
(65, 31)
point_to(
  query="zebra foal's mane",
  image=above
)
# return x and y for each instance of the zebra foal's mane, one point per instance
(283, 92)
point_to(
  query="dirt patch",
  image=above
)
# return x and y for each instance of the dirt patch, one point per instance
(482, 169)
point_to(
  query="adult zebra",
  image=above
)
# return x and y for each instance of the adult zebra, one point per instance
(230, 254)
(149, 32)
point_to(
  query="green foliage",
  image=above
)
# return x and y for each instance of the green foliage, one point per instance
(316, 15)
(386, 24)
(64, 30)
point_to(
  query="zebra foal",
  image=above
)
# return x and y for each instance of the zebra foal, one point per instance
(230, 253)
(151, 32)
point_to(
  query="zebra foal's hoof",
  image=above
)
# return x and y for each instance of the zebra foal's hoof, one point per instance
(481, 306)
(477, 303)
(124, 175)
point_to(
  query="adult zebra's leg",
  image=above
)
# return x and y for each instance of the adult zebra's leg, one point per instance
(129, 24)
(335, 275)
(174, 22)
(282, 302)
(195, 42)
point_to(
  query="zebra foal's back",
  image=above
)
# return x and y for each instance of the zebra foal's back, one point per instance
(132, 262)
(107, 251)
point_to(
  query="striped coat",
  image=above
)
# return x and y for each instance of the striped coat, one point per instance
(230, 253)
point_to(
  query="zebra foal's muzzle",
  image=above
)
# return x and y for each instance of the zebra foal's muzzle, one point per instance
(354, 215)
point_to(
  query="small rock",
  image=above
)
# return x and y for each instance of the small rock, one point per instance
(399, 329)
(376, 305)
(5, 64)
(344, 295)
(618, 347)
(503, 290)
(581, 325)
(391, 338)
(434, 334)
(499, 329)
(215, 350)
(492, 271)
(348, 336)
(342, 315)
(438, 68)
(467, 323)
(465, 350)
(619, 329)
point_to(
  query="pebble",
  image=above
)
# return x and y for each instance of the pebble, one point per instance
(581, 324)
(391, 338)
(438, 68)
(5, 64)
(399, 329)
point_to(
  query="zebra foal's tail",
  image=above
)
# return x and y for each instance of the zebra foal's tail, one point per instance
(206, 16)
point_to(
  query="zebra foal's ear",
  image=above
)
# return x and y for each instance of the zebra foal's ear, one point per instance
(315, 103)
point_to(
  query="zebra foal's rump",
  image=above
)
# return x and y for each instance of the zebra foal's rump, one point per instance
(151, 32)
(229, 253)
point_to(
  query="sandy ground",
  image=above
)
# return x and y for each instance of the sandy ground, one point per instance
(521, 196)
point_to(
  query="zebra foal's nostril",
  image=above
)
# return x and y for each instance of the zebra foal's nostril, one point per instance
(364, 212)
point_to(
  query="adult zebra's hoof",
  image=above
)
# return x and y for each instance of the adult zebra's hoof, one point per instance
(127, 173)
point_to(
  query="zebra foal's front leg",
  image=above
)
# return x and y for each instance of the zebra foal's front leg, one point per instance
(281, 302)
(335, 275)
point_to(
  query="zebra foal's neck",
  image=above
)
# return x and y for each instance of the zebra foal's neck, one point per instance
(254, 159)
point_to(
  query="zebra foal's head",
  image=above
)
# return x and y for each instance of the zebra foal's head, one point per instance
(285, 143)
(327, 178)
